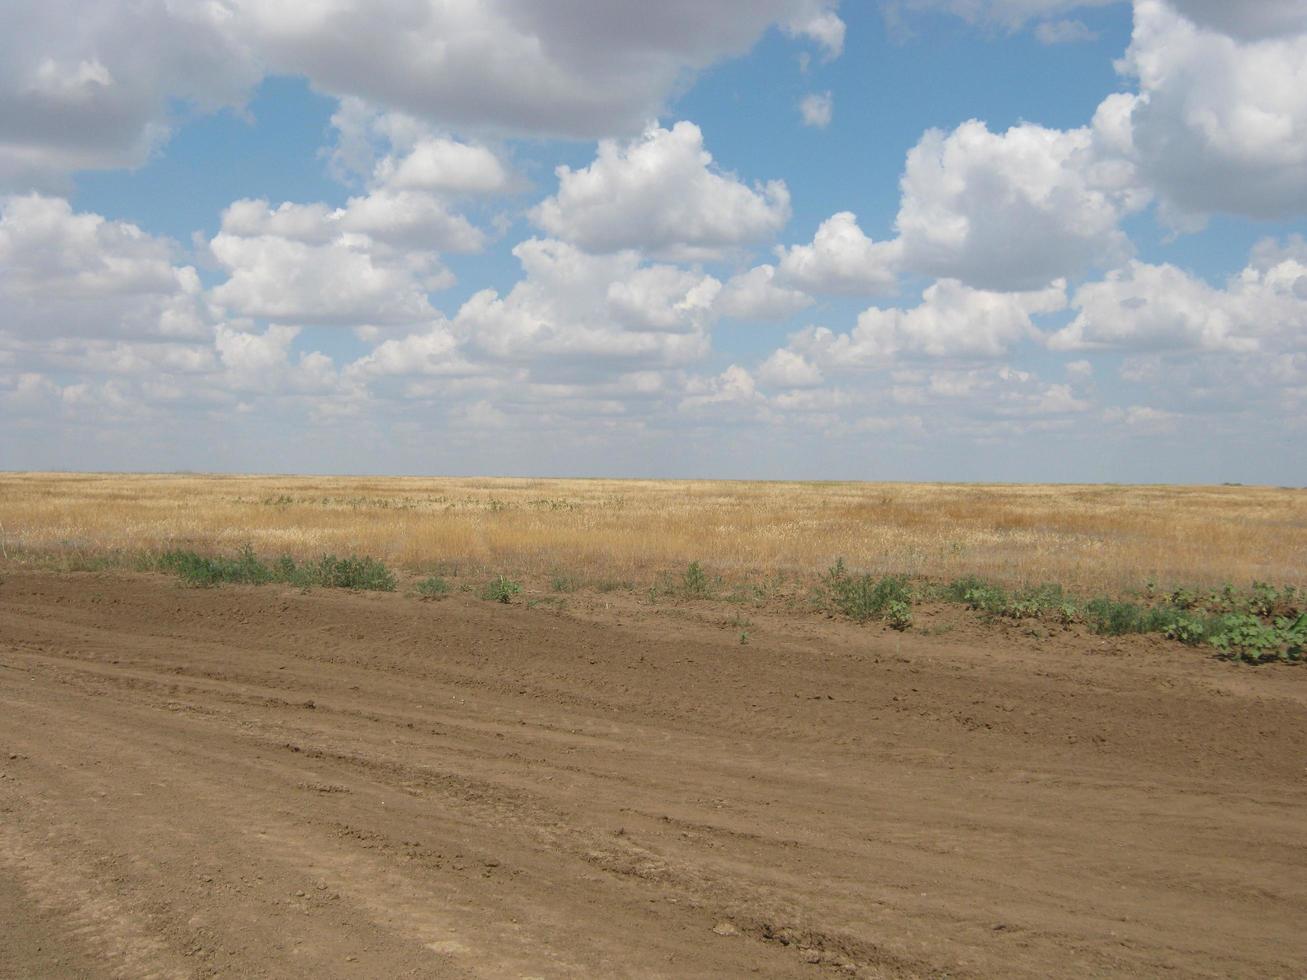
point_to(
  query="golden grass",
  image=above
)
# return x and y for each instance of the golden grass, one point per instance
(1087, 538)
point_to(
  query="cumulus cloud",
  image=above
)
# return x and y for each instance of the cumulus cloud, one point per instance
(569, 68)
(1260, 19)
(64, 273)
(755, 295)
(841, 259)
(370, 262)
(1161, 307)
(952, 321)
(816, 109)
(93, 84)
(1220, 121)
(584, 313)
(88, 85)
(1018, 209)
(396, 151)
(662, 194)
(734, 386)
(785, 368)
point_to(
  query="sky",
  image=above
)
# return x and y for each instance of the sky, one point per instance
(960, 240)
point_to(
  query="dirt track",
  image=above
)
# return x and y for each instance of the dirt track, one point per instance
(259, 782)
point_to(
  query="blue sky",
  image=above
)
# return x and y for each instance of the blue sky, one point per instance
(928, 239)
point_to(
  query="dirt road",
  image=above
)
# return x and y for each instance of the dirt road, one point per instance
(259, 782)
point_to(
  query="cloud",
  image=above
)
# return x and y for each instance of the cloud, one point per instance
(575, 312)
(661, 194)
(1015, 210)
(755, 295)
(445, 165)
(296, 263)
(1220, 122)
(816, 109)
(1064, 32)
(952, 321)
(93, 85)
(568, 68)
(89, 85)
(841, 259)
(785, 368)
(1161, 307)
(370, 262)
(64, 273)
(1010, 15)
(733, 387)
(1250, 21)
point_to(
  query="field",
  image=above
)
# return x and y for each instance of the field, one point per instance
(625, 769)
(1087, 538)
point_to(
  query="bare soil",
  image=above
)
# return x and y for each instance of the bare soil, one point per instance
(261, 782)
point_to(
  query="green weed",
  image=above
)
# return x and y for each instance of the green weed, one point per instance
(501, 589)
(434, 587)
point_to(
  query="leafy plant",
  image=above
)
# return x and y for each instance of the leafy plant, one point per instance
(862, 597)
(501, 589)
(246, 568)
(695, 580)
(434, 587)
(898, 614)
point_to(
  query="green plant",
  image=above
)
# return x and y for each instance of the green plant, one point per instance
(695, 580)
(434, 587)
(898, 614)
(563, 583)
(246, 568)
(501, 589)
(861, 597)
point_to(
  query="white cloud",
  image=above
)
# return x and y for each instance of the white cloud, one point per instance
(441, 164)
(403, 218)
(370, 262)
(569, 68)
(660, 193)
(952, 321)
(816, 109)
(786, 369)
(734, 386)
(1220, 123)
(1064, 32)
(841, 259)
(755, 295)
(1014, 210)
(64, 273)
(591, 312)
(1007, 14)
(88, 85)
(350, 280)
(92, 85)
(818, 21)
(1161, 307)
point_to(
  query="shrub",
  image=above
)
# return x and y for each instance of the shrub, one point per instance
(346, 573)
(695, 581)
(434, 587)
(898, 614)
(563, 583)
(861, 597)
(246, 568)
(501, 589)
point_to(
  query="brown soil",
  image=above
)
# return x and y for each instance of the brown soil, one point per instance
(260, 782)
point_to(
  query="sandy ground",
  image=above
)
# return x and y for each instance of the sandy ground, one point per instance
(260, 782)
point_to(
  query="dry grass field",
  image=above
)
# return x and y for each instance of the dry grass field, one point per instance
(1088, 538)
